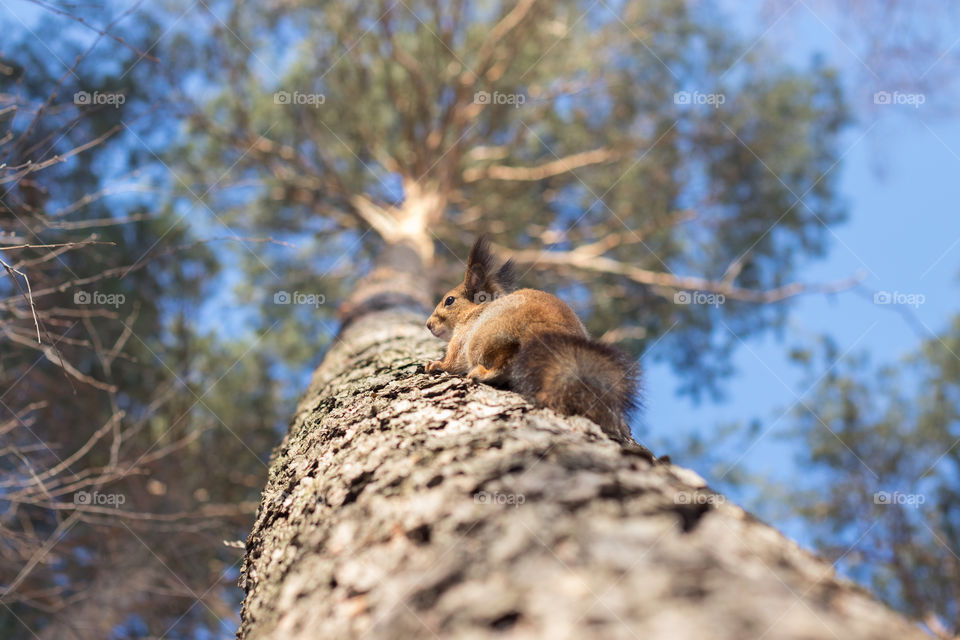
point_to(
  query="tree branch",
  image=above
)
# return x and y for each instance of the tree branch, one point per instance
(602, 264)
(546, 170)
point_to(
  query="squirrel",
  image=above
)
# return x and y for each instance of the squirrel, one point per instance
(534, 343)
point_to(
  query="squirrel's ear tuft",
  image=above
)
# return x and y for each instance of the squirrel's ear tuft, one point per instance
(479, 266)
(480, 255)
(480, 276)
(506, 276)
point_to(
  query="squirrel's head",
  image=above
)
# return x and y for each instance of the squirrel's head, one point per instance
(481, 284)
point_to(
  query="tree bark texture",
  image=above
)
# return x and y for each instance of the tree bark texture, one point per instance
(408, 505)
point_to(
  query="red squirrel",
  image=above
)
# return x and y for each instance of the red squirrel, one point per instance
(533, 342)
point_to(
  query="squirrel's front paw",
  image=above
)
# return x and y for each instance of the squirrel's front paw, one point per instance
(434, 365)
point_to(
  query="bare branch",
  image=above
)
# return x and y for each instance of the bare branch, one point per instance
(601, 264)
(102, 32)
(546, 170)
(499, 32)
(28, 294)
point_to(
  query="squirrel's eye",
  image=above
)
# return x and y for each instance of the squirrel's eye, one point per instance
(448, 301)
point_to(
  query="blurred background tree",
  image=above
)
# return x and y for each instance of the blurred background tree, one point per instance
(114, 512)
(879, 450)
(882, 450)
(580, 139)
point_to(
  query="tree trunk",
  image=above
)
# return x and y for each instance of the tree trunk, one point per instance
(408, 505)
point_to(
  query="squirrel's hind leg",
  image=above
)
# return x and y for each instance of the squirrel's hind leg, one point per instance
(482, 374)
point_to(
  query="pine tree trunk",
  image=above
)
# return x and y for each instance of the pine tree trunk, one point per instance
(408, 505)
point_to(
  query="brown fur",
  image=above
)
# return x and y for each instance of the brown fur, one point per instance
(532, 341)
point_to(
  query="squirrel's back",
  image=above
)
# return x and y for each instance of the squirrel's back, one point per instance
(523, 314)
(556, 364)
(575, 375)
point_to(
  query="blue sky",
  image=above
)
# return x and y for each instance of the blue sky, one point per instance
(899, 180)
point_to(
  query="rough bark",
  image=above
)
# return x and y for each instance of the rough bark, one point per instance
(407, 505)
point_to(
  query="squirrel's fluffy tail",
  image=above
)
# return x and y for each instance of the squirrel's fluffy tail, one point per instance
(577, 376)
